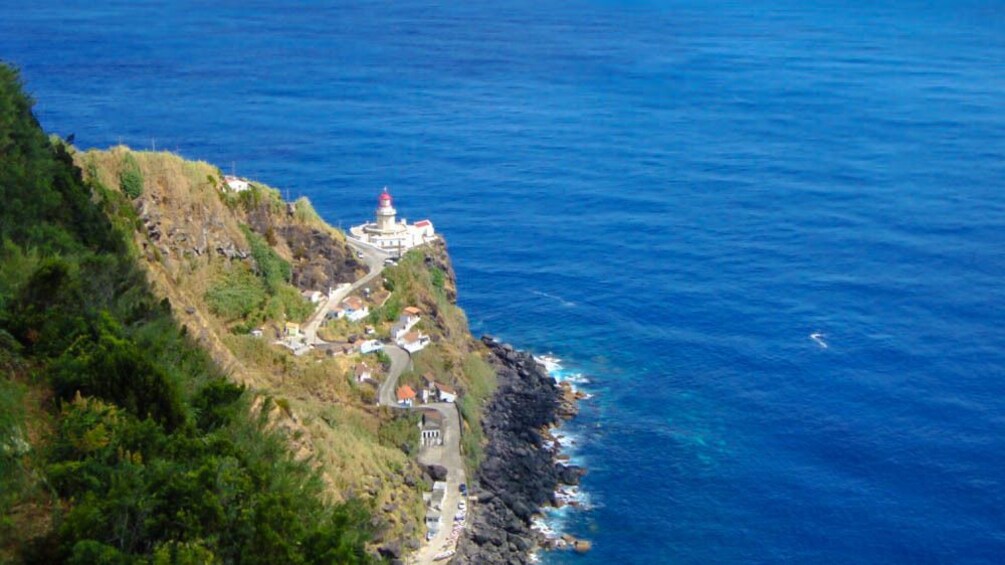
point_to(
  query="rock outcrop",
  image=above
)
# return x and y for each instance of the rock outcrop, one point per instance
(438, 258)
(519, 474)
(318, 260)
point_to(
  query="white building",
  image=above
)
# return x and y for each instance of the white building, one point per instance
(354, 309)
(370, 345)
(235, 184)
(431, 428)
(406, 396)
(413, 341)
(409, 317)
(392, 235)
(363, 373)
(314, 296)
(446, 392)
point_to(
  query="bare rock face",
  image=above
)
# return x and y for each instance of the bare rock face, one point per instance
(436, 472)
(319, 261)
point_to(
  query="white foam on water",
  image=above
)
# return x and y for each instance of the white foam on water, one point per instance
(551, 363)
(552, 522)
(558, 299)
(819, 338)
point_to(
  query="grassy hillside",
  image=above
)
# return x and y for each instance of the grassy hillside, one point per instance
(425, 279)
(229, 263)
(121, 441)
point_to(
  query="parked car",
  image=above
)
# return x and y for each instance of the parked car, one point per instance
(463, 488)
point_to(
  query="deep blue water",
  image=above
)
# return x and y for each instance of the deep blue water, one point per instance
(671, 196)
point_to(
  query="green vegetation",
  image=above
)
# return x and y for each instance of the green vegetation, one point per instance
(402, 432)
(305, 213)
(120, 439)
(236, 295)
(241, 295)
(130, 178)
(437, 278)
(453, 357)
(275, 271)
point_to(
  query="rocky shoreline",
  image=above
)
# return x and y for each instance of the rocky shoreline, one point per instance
(521, 470)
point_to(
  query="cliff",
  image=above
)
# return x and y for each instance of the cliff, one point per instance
(121, 440)
(229, 263)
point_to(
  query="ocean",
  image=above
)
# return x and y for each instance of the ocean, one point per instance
(770, 236)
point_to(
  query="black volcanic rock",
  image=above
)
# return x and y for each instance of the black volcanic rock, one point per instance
(435, 472)
(518, 475)
(569, 474)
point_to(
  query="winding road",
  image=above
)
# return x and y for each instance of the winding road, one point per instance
(400, 360)
(447, 455)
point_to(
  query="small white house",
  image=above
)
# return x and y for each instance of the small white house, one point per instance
(257, 332)
(235, 184)
(446, 393)
(423, 231)
(413, 341)
(431, 428)
(412, 315)
(406, 396)
(363, 373)
(314, 296)
(370, 345)
(354, 309)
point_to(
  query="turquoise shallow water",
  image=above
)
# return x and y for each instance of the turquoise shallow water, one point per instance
(671, 196)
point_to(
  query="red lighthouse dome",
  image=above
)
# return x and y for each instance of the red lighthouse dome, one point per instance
(385, 198)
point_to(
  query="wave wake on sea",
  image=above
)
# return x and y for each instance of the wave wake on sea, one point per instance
(570, 499)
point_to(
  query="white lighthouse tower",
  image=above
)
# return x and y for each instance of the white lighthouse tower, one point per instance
(386, 213)
(390, 235)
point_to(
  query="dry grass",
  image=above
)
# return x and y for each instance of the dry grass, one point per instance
(328, 423)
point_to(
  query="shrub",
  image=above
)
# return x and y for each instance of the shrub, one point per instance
(130, 177)
(294, 306)
(115, 369)
(304, 212)
(237, 295)
(215, 404)
(273, 269)
(438, 278)
(402, 432)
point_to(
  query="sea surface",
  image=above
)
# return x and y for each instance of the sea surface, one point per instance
(670, 196)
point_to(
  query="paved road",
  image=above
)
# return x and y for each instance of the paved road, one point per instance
(400, 360)
(373, 257)
(448, 455)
